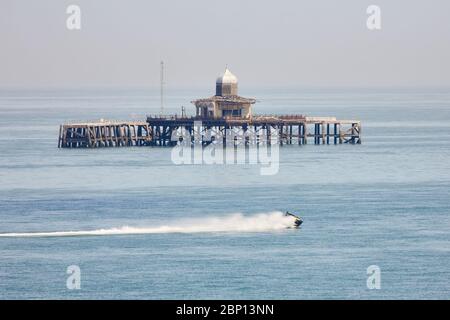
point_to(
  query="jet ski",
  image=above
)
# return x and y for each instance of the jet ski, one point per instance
(297, 220)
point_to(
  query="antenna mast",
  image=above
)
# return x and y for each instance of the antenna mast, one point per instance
(162, 87)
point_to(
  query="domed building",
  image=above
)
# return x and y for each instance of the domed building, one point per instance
(226, 103)
(226, 84)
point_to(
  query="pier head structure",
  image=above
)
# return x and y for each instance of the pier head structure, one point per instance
(227, 111)
(216, 119)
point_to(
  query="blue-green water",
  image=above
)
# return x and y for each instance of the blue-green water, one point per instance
(385, 203)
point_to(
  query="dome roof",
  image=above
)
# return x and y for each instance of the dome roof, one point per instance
(227, 78)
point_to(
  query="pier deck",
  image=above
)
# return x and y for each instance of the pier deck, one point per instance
(291, 129)
(160, 130)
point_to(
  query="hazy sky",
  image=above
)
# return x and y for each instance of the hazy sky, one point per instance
(311, 43)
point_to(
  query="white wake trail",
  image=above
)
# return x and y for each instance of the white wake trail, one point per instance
(232, 223)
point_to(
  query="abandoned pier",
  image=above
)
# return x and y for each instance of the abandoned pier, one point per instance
(215, 117)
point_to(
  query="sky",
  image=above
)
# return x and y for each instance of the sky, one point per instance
(265, 43)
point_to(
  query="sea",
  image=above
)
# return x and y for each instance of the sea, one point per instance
(129, 223)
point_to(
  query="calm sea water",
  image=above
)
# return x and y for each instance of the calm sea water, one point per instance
(385, 203)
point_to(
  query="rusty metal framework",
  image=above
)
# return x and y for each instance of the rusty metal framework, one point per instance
(103, 134)
(290, 129)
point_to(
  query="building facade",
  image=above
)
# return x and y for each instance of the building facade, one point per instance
(226, 103)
